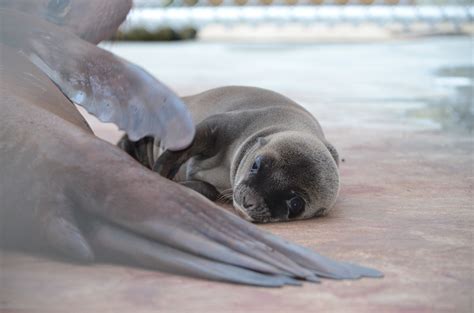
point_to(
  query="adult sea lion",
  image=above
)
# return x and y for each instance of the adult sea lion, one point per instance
(269, 151)
(66, 189)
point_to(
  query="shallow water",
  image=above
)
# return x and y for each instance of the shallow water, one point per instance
(455, 110)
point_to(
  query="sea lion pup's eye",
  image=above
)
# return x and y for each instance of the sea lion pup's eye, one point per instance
(295, 206)
(256, 165)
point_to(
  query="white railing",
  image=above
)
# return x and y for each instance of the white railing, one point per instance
(200, 16)
(188, 3)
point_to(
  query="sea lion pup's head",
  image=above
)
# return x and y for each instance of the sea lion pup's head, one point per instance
(286, 176)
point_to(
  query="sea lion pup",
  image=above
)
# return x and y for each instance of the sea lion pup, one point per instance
(266, 148)
(64, 188)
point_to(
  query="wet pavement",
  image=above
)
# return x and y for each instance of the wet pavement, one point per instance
(399, 112)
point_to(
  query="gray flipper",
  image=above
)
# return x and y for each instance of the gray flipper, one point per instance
(107, 86)
(125, 245)
(318, 264)
(141, 150)
(204, 145)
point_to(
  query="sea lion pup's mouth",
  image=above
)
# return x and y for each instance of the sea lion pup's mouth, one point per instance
(249, 205)
(241, 212)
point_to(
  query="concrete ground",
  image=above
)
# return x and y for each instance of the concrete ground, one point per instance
(405, 206)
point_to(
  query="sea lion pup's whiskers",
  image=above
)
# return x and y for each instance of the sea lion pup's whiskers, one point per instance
(226, 196)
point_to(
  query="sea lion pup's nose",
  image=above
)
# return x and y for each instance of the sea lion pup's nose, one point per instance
(246, 203)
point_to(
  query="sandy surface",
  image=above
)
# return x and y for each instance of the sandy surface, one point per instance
(405, 207)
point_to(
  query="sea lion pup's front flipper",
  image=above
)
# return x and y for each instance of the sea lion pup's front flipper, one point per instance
(141, 150)
(204, 145)
(107, 86)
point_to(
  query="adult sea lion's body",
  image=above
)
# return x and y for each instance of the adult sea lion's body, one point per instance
(267, 149)
(64, 188)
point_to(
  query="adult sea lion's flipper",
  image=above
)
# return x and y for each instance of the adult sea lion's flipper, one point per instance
(125, 245)
(107, 86)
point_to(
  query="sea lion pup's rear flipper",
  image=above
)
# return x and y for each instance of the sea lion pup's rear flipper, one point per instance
(107, 86)
(204, 145)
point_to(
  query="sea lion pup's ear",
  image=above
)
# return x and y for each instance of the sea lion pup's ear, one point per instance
(92, 20)
(107, 86)
(262, 141)
(333, 152)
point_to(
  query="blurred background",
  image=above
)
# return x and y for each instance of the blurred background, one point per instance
(294, 19)
(403, 63)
